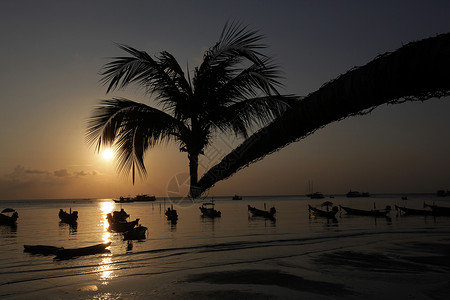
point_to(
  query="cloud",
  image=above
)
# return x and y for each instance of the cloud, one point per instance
(61, 173)
(36, 172)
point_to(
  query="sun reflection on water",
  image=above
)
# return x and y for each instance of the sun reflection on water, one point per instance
(106, 207)
(106, 268)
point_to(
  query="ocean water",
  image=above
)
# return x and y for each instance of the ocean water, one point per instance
(235, 256)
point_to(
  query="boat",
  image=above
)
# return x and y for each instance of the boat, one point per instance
(124, 200)
(120, 226)
(443, 193)
(438, 210)
(208, 210)
(8, 216)
(414, 211)
(329, 214)
(75, 252)
(144, 197)
(356, 194)
(262, 213)
(316, 195)
(41, 249)
(137, 233)
(69, 218)
(236, 197)
(372, 212)
(119, 216)
(171, 214)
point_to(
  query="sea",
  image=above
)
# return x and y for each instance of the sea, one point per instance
(237, 256)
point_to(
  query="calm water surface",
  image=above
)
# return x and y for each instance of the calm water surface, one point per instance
(232, 255)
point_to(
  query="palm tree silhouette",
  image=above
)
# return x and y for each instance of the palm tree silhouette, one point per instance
(233, 90)
(418, 71)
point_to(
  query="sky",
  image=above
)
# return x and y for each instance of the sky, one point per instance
(52, 53)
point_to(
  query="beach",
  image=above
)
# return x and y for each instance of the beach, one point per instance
(236, 256)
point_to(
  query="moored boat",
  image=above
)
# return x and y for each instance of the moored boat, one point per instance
(119, 216)
(8, 216)
(438, 210)
(262, 213)
(171, 214)
(414, 211)
(69, 218)
(316, 195)
(136, 233)
(41, 249)
(329, 214)
(144, 197)
(208, 210)
(236, 197)
(356, 194)
(90, 250)
(120, 226)
(124, 200)
(372, 212)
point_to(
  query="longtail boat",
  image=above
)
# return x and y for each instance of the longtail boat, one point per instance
(329, 214)
(372, 212)
(414, 211)
(75, 252)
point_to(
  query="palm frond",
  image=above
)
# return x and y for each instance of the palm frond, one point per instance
(131, 128)
(162, 76)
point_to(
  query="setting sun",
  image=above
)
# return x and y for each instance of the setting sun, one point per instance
(107, 154)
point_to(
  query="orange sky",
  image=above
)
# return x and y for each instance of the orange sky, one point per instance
(52, 52)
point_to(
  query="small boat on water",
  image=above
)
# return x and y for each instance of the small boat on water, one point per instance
(41, 249)
(8, 216)
(356, 194)
(208, 210)
(75, 252)
(137, 233)
(316, 195)
(120, 226)
(124, 200)
(120, 216)
(171, 214)
(329, 214)
(372, 212)
(414, 211)
(438, 210)
(262, 213)
(144, 197)
(236, 197)
(69, 218)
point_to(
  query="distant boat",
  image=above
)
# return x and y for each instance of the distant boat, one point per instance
(316, 195)
(208, 210)
(171, 214)
(124, 200)
(372, 212)
(71, 253)
(69, 218)
(144, 197)
(311, 194)
(355, 194)
(8, 216)
(236, 197)
(442, 193)
(262, 213)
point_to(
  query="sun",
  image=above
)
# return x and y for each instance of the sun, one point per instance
(107, 154)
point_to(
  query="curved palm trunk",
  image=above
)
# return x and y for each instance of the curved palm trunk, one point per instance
(417, 71)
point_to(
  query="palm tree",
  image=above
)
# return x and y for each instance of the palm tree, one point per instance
(416, 71)
(233, 90)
